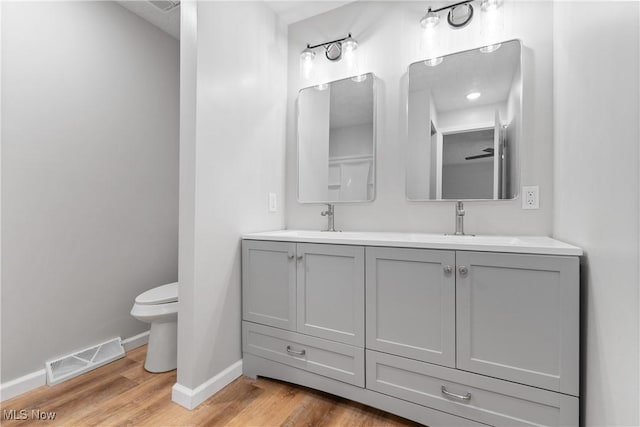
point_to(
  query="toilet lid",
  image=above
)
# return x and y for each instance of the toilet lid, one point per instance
(160, 295)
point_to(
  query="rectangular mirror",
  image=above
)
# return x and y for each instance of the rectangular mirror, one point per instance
(336, 141)
(464, 121)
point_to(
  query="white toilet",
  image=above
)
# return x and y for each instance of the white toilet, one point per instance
(159, 306)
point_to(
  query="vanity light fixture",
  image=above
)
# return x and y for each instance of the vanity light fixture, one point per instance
(473, 96)
(333, 49)
(433, 61)
(349, 44)
(459, 15)
(490, 48)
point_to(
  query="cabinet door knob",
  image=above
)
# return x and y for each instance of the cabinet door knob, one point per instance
(448, 269)
(464, 398)
(297, 353)
(299, 257)
(291, 256)
(463, 270)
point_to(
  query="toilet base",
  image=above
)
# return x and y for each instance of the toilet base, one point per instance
(162, 350)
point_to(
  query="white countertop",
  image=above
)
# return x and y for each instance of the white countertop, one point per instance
(514, 244)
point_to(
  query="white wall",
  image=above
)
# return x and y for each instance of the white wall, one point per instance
(232, 155)
(89, 175)
(390, 38)
(352, 140)
(596, 133)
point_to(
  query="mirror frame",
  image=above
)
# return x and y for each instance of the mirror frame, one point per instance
(516, 194)
(375, 143)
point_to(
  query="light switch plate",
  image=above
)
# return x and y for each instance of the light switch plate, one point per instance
(531, 197)
(273, 202)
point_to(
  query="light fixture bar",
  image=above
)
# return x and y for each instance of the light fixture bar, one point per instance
(328, 43)
(451, 6)
(333, 49)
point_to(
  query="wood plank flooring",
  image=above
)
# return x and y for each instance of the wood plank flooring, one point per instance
(124, 394)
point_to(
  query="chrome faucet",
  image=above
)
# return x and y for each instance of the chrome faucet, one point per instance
(330, 214)
(459, 219)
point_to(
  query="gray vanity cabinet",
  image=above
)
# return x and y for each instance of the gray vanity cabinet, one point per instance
(331, 292)
(411, 299)
(453, 336)
(314, 289)
(518, 318)
(269, 283)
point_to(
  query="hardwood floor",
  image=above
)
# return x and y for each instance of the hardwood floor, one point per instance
(123, 393)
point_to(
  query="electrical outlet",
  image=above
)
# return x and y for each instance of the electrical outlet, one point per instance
(531, 197)
(273, 202)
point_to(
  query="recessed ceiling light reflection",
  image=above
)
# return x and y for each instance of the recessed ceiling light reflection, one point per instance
(473, 96)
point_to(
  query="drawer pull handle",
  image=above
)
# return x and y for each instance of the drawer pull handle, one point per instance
(465, 398)
(297, 353)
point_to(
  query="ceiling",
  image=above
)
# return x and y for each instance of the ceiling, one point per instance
(294, 11)
(169, 22)
(288, 11)
(491, 74)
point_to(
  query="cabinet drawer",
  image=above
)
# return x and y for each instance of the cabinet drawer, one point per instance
(490, 400)
(339, 361)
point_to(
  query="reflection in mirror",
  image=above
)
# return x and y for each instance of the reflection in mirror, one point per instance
(336, 141)
(465, 115)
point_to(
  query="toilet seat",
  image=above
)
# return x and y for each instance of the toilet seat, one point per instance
(161, 295)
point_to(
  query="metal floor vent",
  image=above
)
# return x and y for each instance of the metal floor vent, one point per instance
(72, 365)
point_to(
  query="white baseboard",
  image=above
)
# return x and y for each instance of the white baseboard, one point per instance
(136, 341)
(190, 398)
(36, 379)
(23, 384)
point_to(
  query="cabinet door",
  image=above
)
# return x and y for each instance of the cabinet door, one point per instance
(518, 318)
(411, 303)
(331, 292)
(269, 283)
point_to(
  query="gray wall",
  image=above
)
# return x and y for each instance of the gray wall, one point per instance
(596, 134)
(89, 175)
(390, 38)
(233, 117)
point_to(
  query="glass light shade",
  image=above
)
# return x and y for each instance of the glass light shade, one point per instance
(430, 20)
(349, 44)
(307, 55)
